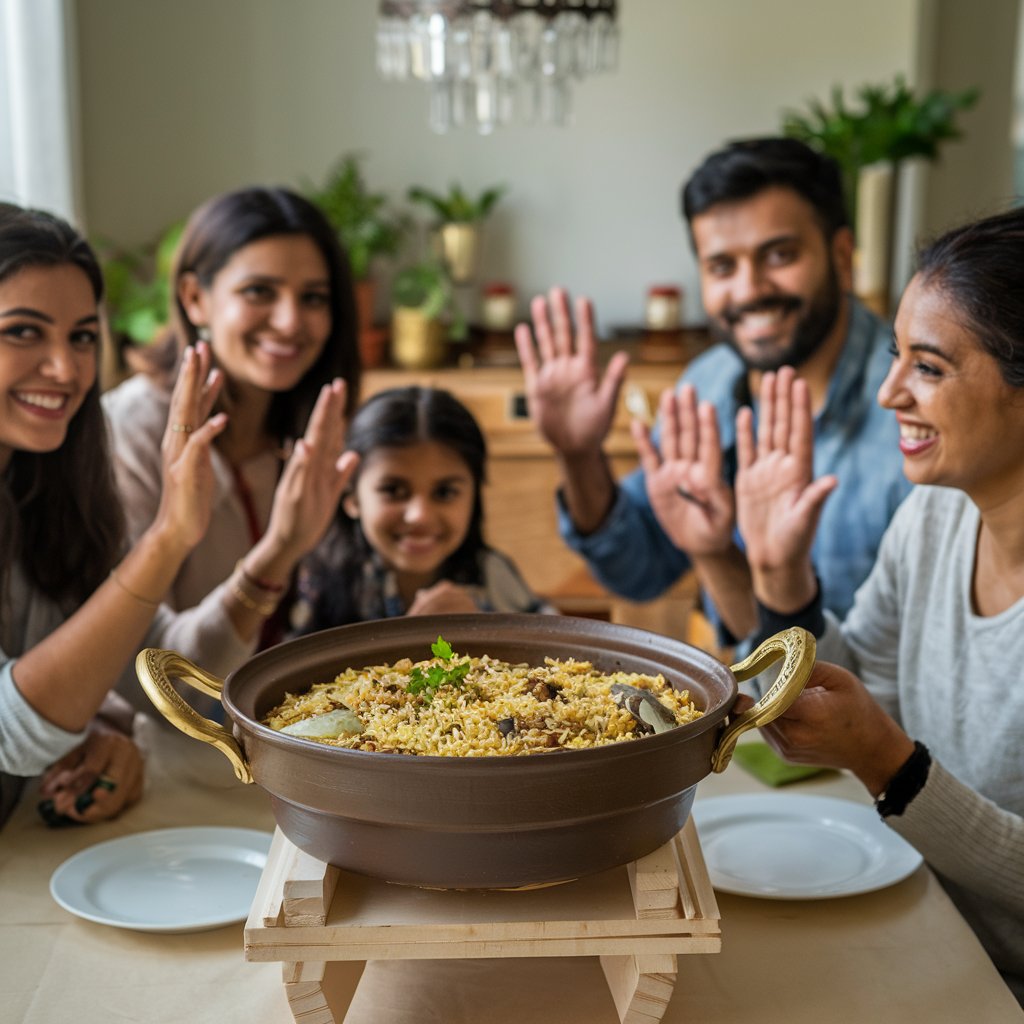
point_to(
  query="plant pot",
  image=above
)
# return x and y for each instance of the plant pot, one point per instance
(457, 245)
(417, 342)
(373, 341)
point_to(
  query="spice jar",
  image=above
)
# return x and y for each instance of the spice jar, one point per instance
(498, 308)
(662, 310)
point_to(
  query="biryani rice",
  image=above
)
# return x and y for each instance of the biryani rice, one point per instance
(562, 705)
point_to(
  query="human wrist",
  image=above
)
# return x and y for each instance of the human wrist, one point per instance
(786, 590)
(883, 764)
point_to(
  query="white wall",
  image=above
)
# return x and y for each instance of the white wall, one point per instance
(180, 100)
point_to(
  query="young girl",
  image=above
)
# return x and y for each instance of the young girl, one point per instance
(260, 275)
(408, 536)
(74, 608)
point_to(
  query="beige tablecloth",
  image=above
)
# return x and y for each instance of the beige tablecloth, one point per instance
(898, 955)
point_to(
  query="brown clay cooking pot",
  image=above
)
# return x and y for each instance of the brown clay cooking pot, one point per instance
(479, 822)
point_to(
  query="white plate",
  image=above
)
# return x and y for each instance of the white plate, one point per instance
(170, 880)
(793, 847)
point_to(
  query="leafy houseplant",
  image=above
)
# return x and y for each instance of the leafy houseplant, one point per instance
(363, 220)
(891, 124)
(423, 298)
(367, 228)
(458, 217)
(456, 207)
(138, 285)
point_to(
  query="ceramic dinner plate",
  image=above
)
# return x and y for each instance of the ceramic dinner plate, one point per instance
(170, 880)
(795, 847)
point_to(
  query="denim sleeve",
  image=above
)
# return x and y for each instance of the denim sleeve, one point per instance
(629, 554)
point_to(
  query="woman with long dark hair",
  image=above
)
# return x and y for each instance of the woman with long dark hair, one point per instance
(260, 276)
(408, 538)
(64, 577)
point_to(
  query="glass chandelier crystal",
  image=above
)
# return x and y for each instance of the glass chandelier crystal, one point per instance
(485, 61)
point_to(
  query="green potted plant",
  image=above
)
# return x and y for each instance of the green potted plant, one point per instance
(137, 284)
(891, 124)
(869, 142)
(424, 316)
(457, 224)
(368, 228)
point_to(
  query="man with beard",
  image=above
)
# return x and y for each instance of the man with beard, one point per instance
(775, 253)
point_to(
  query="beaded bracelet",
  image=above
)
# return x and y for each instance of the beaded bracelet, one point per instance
(131, 593)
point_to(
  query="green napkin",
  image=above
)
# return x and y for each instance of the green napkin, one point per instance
(763, 763)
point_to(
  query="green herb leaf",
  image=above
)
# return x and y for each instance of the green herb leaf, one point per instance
(430, 681)
(442, 649)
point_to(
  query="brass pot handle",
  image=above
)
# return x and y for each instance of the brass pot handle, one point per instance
(797, 646)
(154, 668)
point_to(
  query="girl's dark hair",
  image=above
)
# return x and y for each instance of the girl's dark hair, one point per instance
(398, 418)
(60, 514)
(744, 168)
(227, 223)
(980, 267)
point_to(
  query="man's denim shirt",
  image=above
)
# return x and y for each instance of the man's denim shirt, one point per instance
(854, 438)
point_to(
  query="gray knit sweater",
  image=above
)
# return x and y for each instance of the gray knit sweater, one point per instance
(952, 679)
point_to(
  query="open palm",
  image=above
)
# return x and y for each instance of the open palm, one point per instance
(691, 501)
(778, 501)
(570, 402)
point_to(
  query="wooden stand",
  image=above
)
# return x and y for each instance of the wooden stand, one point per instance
(325, 923)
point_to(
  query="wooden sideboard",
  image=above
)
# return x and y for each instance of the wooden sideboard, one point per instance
(522, 477)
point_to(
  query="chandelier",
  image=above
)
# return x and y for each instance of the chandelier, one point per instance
(486, 61)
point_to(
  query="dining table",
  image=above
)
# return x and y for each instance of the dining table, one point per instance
(901, 953)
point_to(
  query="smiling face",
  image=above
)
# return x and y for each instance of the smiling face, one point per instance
(414, 504)
(49, 339)
(961, 424)
(267, 309)
(773, 286)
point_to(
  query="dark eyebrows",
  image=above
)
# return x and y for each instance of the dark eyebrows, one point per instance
(35, 314)
(319, 282)
(923, 346)
(762, 247)
(778, 240)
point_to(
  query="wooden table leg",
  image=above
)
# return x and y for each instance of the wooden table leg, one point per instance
(321, 993)
(641, 986)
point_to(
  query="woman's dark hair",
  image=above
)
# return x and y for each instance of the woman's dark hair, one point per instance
(60, 514)
(227, 223)
(745, 168)
(398, 418)
(980, 268)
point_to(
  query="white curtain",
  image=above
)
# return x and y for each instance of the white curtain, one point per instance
(38, 116)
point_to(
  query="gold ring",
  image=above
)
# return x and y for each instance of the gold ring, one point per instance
(181, 428)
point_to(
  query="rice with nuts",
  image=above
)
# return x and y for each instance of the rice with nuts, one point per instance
(499, 708)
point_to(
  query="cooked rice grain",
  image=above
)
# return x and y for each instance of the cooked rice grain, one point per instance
(560, 705)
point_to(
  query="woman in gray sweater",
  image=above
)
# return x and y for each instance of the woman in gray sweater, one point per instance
(916, 691)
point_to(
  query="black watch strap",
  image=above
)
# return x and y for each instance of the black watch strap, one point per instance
(906, 783)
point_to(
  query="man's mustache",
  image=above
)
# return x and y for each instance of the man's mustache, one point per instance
(787, 303)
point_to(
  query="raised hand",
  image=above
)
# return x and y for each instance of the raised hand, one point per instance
(188, 483)
(778, 501)
(692, 502)
(310, 487)
(571, 404)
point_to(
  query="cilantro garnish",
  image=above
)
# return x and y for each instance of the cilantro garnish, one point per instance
(436, 676)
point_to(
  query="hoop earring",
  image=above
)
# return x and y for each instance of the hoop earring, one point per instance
(203, 333)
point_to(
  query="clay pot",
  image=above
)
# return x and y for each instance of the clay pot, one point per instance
(479, 822)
